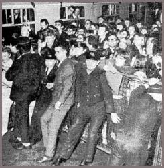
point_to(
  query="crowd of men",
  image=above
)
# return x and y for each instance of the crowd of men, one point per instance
(74, 73)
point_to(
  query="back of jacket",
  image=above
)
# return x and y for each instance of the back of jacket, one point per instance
(26, 74)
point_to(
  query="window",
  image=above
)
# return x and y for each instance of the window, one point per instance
(133, 12)
(6, 16)
(17, 16)
(81, 8)
(132, 8)
(62, 13)
(24, 15)
(30, 15)
(13, 19)
(112, 9)
(72, 12)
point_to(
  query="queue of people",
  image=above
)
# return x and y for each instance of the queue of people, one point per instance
(74, 73)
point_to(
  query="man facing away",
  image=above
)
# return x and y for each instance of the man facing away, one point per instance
(94, 100)
(25, 72)
(62, 100)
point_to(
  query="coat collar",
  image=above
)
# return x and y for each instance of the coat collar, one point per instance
(95, 73)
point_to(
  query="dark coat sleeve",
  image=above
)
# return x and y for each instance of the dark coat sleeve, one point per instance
(78, 83)
(51, 76)
(108, 95)
(67, 81)
(12, 72)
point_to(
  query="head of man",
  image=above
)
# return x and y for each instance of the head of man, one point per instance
(59, 25)
(92, 42)
(132, 30)
(25, 31)
(139, 40)
(122, 34)
(77, 49)
(139, 24)
(50, 37)
(88, 24)
(100, 19)
(77, 12)
(120, 26)
(24, 45)
(127, 22)
(123, 44)
(102, 30)
(6, 55)
(92, 62)
(49, 56)
(112, 40)
(16, 11)
(71, 30)
(152, 46)
(61, 52)
(44, 24)
(70, 10)
(80, 31)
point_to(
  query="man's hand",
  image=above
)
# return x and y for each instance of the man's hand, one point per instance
(49, 85)
(153, 81)
(57, 105)
(113, 135)
(115, 118)
(78, 105)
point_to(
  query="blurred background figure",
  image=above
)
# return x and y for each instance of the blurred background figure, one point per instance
(6, 88)
(17, 18)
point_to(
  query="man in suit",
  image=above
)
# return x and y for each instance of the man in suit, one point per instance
(43, 31)
(62, 35)
(70, 12)
(25, 73)
(62, 100)
(94, 99)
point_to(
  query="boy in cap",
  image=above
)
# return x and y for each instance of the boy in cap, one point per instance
(45, 92)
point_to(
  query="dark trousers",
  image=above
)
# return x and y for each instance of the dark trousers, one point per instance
(71, 116)
(21, 127)
(131, 144)
(95, 115)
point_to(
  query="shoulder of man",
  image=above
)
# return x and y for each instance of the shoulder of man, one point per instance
(35, 55)
(67, 66)
(102, 74)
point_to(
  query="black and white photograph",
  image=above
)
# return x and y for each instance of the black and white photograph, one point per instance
(81, 83)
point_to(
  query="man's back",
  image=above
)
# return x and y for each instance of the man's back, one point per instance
(25, 74)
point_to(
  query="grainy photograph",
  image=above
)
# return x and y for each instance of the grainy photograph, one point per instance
(81, 83)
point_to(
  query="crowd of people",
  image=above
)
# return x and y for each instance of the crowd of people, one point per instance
(74, 73)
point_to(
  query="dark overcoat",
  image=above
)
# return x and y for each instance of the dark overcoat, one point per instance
(26, 74)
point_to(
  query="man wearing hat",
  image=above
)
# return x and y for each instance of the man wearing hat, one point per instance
(94, 99)
(62, 35)
(45, 92)
(25, 72)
